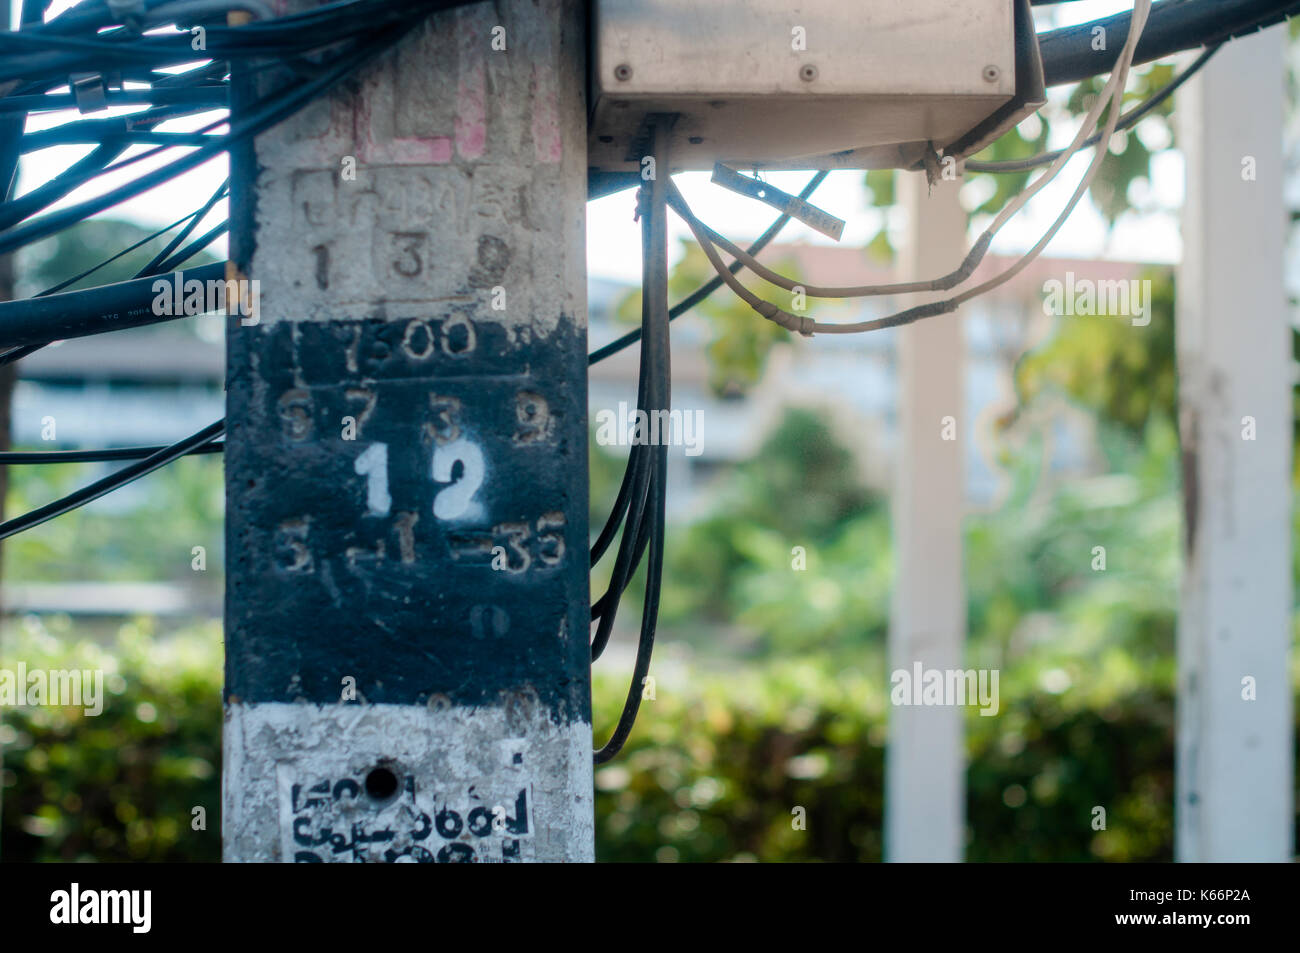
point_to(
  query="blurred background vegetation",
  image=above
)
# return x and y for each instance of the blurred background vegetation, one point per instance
(772, 684)
(773, 693)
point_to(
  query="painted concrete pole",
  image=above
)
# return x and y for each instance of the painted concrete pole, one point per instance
(925, 768)
(1235, 759)
(407, 673)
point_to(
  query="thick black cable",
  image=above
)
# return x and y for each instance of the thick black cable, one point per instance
(610, 528)
(73, 314)
(656, 349)
(76, 175)
(640, 464)
(18, 353)
(1069, 55)
(149, 271)
(107, 455)
(630, 507)
(625, 490)
(214, 96)
(264, 114)
(113, 481)
(184, 233)
(194, 247)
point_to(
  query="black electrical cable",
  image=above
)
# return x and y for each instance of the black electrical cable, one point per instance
(108, 261)
(93, 164)
(73, 314)
(142, 293)
(21, 457)
(36, 55)
(261, 115)
(264, 114)
(113, 306)
(18, 353)
(48, 49)
(113, 481)
(656, 358)
(194, 247)
(213, 96)
(68, 136)
(1069, 55)
(626, 489)
(184, 233)
(76, 175)
(640, 466)
(1126, 121)
(713, 284)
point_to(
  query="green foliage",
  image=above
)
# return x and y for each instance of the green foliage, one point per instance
(172, 510)
(736, 565)
(1030, 572)
(718, 764)
(712, 773)
(122, 785)
(1036, 777)
(1122, 372)
(1025, 140)
(1129, 158)
(73, 250)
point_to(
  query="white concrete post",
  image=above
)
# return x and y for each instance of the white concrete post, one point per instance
(925, 764)
(1234, 792)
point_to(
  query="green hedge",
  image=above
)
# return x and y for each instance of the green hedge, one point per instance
(714, 769)
(122, 785)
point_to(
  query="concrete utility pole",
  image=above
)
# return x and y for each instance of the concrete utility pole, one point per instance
(407, 609)
(1235, 762)
(925, 772)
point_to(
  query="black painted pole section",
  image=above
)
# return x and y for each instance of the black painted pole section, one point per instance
(407, 660)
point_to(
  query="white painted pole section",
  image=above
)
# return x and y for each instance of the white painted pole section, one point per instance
(1234, 362)
(925, 764)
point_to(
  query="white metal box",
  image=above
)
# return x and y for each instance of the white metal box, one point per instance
(804, 84)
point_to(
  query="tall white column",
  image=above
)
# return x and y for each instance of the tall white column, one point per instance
(1235, 764)
(925, 765)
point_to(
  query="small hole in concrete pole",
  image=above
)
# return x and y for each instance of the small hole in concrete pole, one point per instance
(381, 784)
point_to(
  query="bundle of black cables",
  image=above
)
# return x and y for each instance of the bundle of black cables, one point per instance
(640, 505)
(301, 57)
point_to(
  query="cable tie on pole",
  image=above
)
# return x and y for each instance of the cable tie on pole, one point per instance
(89, 91)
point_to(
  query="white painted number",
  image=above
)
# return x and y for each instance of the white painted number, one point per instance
(373, 464)
(455, 500)
(451, 502)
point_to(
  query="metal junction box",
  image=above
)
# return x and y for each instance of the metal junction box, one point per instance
(808, 84)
